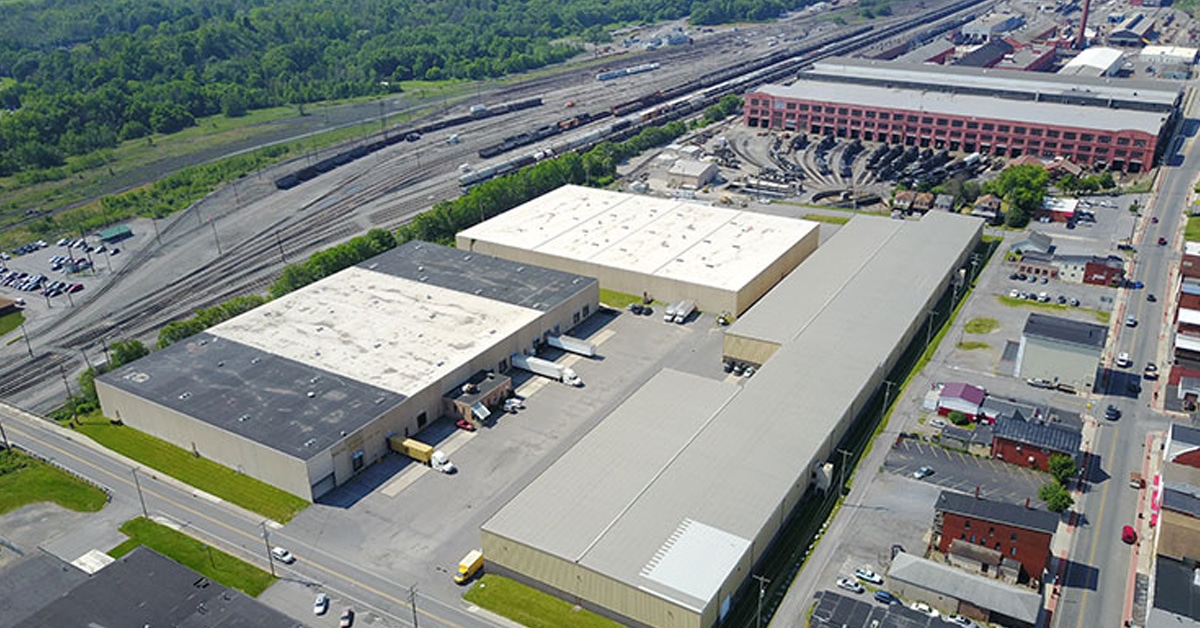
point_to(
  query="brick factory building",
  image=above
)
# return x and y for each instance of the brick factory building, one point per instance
(1011, 529)
(904, 104)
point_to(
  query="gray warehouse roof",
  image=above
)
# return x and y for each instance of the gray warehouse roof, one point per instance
(1093, 91)
(485, 276)
(999, 512)
(681, 502)
(1066, 331)
(1048, 435)
(254, 394)
(32, 583)
(144, 588)
(821, 89)
(993, 595)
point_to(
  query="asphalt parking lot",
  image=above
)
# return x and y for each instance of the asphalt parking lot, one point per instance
(965, 473)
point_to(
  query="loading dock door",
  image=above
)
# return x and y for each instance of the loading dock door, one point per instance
(324, 485)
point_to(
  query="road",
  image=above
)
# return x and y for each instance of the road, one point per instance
(223, 525)
(1098, 575)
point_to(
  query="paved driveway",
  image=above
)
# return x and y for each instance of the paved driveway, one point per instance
(963, 472)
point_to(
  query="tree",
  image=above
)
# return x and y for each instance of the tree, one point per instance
(958, 418)
(1023, 188)
(1063, 468)
(126, 351)
(1057, 498)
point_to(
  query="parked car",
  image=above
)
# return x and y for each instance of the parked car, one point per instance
(938, 423)
(1130, 321)
(1123, 360)
(1112, 413)
(1038, 382)
(885, 597)
(924, 609)
(1151, 371)
(923, 472)
(1162, 241)
(464, 425)
(958, 620)
(347, 618)
(850, 585)
(282, 555)
(321, 604)
(866, 575)
(1129, 535)
(1151, 298)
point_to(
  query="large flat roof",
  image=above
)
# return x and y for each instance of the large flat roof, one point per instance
(255, 394)
(397, 334)
(669, 238)
(970, 105)
(981, 591)
(688, 481)
(1097, 91)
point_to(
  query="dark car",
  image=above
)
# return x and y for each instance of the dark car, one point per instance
(1162, 241)
(635, 308)
(888, 598)
(1151, 298)
(347, 618)
(1112, 413)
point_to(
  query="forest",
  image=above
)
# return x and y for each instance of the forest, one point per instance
(77, 76)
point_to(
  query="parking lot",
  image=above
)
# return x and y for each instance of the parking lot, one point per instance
(965, 473)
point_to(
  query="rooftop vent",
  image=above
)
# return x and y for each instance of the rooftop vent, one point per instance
(202, 343)
(310, 442)
(420, 269)
(185, 395)
(478, 291)
(314, 379)
(520, 268)
(343, 433)
(373, 266)
(310, 394)
(378, 400)
(467, 258)
(255, 360)
(243, 418)
(221, 363)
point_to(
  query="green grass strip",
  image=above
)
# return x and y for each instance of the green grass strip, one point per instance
(1192, 232)
(195, 554)
(26, 480)
(833, 220)
(11, 321)
(530, 607)
(972, 345)
(199, 472)
(981, 325)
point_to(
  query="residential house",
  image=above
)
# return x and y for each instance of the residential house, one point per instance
(960, 397)
(1031, 443)
(984, 599)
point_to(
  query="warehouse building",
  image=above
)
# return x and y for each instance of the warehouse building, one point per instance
(303, 392)
(1060, 350)
(1097, 61)
(668, 249)
(672, 535)
(1124, 140)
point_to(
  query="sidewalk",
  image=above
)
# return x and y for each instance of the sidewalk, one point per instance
(1143, 549)
(1064, 537)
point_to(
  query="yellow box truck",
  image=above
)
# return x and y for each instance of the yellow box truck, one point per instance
(471, 563)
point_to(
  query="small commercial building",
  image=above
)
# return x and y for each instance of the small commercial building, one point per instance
(304, 391)
(1168, 55)
(1135, 31)
(692, 174)
(672, 535)
(1060, 350)
(8, 306)
(971, 595)
(668, 249)
(114, 234)
(1031, 443)
(142, 588)
(1017, 532)
(992, 25)
(1174, 591)
(1091, 269)
(960, 397)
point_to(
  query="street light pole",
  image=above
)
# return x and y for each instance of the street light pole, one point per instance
(215, 238)
(412, 602)
(929, 328)
(887, 393)
(842, 470)
(267, 540)
(4, 437)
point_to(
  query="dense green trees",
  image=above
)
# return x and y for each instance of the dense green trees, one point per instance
(90, 73)
(1023, 188)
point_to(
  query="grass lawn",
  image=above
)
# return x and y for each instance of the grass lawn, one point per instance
(201, 473)
(1192, 232)
(11, 321)
(834, 220)
(26, 480)
(213, 564)
(982, 325)
(1099, 315)
(972, 345)
(530, 607)
(619, 300)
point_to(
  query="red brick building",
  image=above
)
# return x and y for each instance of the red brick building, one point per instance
(1189, 266)
(1097, 137)
(1017, 532)
(1031, 443)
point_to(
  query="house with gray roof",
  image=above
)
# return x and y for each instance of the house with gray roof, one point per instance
(954, 591)
(1060, 350)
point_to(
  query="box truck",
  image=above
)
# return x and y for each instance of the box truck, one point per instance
(421, 452)
(469, 566)
(684, 310)
(669, 312)
(546, 368)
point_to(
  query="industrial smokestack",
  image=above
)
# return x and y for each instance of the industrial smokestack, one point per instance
(1083, 20)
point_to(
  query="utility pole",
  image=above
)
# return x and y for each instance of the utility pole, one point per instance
(4, 437)
(887, 393)
(929, 328)
(762, 590)
(63, 372)
(279, 241)
(141, 498)
(842, 470)
(25, 335)
(154, 221)
(267, 540)
(412, 602)
(85, 358)
(215, 238)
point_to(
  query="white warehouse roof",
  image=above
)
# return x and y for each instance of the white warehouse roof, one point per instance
(987, 107)
(689, 461)
(1094, 61)
(673, 239)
